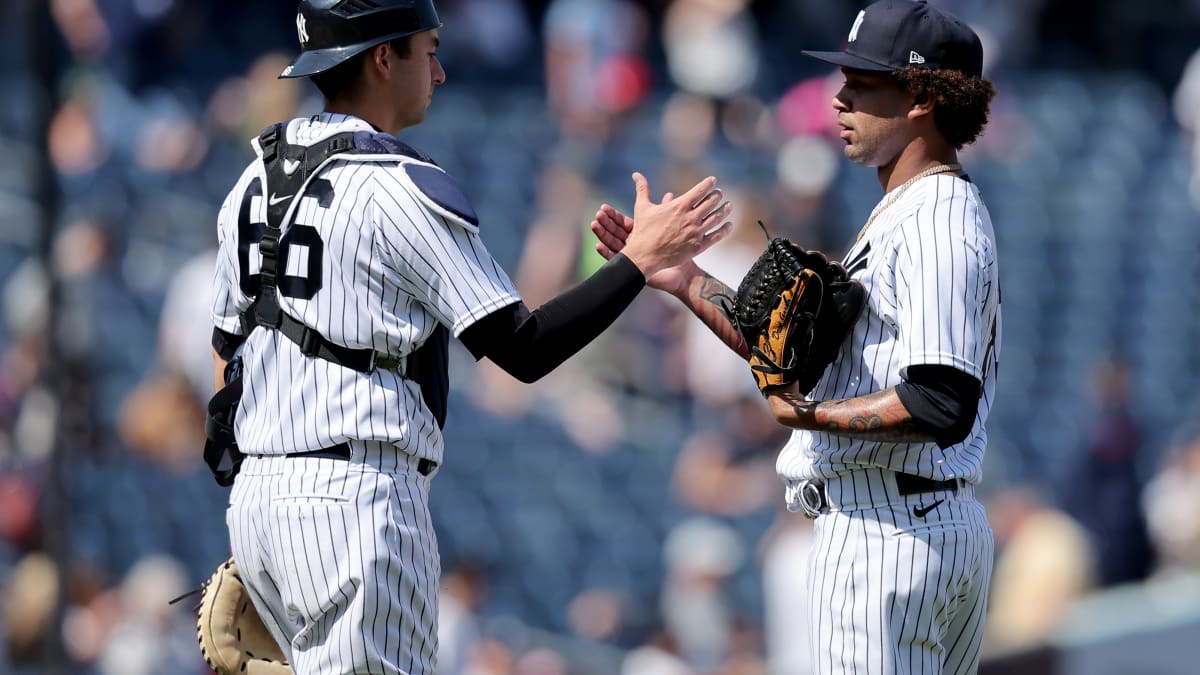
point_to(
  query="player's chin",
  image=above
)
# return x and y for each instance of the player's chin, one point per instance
(416, 117)
(859, 155)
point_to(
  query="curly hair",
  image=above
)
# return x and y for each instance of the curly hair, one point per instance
(961, 102)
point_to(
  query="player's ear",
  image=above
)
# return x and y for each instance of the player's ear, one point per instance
(922, 104)
(379, 58)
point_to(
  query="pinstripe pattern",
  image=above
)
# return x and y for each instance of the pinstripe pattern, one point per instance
(340, 556)
(343, 557)
(391, 271)
(933, 296)
(892, 591)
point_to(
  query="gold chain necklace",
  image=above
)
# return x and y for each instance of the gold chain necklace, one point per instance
(940, 168)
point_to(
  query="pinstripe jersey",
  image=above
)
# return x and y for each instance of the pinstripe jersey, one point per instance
(368, 260)
(929, 267)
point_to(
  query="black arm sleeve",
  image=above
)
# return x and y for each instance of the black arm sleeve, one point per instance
(226, 344)
(530, 345)
(943, 401)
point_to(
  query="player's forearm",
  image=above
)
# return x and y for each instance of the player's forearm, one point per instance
(529, 345)
(880, 416)
(219, 364)
(706, 296)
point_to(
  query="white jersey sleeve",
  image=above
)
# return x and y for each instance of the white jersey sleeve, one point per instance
(440, 260)
(945, 287)
(228, 298)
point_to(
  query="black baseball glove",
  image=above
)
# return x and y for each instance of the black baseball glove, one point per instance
(794, 308)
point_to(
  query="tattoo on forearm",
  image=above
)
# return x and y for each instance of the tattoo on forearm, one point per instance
(874, 417)
(865, 423)
(711, 296)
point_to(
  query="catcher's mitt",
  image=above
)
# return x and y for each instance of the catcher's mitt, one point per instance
(233, 639)
(794, 308)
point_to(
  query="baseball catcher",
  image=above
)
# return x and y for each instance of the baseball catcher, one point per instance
(232, 637)
(794, 308)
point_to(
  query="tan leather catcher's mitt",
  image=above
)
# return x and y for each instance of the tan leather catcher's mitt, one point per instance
(233, 639)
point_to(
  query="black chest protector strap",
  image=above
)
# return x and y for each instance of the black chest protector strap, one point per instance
(283, 189)
(429, 364)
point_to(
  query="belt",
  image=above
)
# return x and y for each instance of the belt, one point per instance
(425, 466)
(908, 484)
(814, 500)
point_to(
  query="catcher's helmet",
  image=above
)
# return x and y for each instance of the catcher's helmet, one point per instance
(332, 31)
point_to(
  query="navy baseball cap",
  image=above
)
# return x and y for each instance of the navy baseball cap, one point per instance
(890, 35)
(333, 31)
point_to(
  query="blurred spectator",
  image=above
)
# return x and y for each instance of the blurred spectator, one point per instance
(151, 636)
(687, 128)
(93, 608)
(1187, 114)
(185, 328)
(163, 420)
(805, 169)
(19, 521)
(712, 46)
(784, 552)
(83, 27)
(29, 600)
(746, 650)
(804, 108)
(701, 553)
(491, 657)
(658, 656)
(540, 662)
(76, 145)
(1102, 487)
(1172, 505)
(558, 249)
(1044, 562)
(24, 436)
(595, 63)
(163, 416)
(595, 614)
(244, 105)
(489, 37)
(463, 591)
(727, 471)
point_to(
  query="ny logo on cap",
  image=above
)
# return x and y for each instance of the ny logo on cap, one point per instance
(914, 57)
(857, 23)
(302, 28)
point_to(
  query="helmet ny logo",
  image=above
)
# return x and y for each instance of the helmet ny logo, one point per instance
(854, 29)
(302, 28)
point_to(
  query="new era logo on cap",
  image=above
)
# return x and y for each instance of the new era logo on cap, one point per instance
(894, 34)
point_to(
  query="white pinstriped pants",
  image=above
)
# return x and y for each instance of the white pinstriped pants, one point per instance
(341, 561)
(892, 592)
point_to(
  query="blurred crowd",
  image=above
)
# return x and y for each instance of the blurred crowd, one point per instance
(623, 515)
